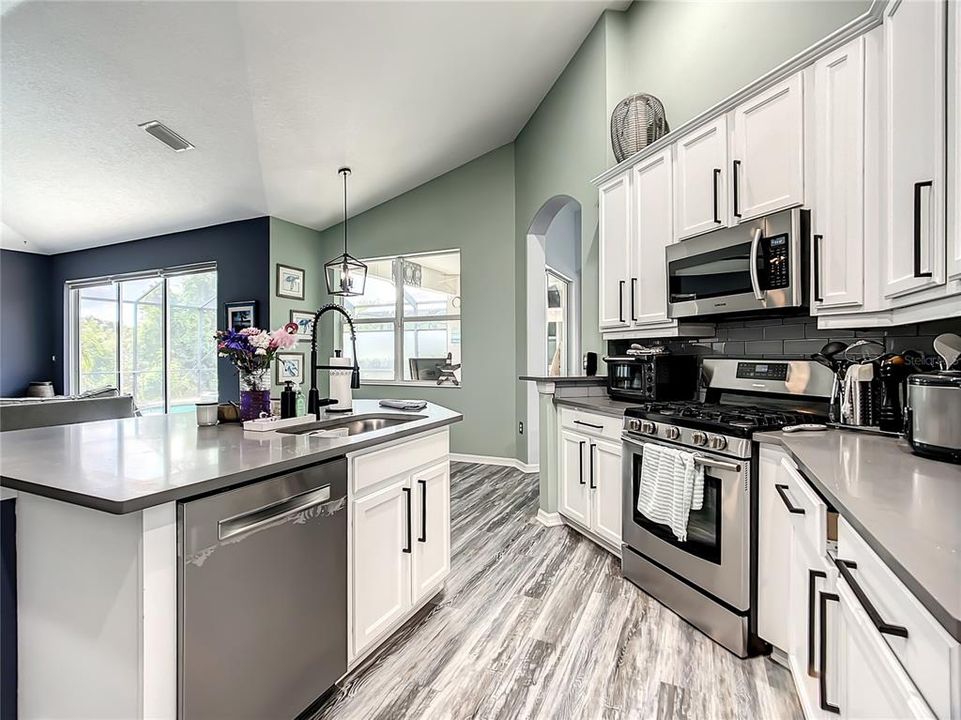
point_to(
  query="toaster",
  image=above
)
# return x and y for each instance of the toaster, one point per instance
(933, 415)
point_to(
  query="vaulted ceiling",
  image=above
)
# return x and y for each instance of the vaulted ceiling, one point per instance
(274, 95)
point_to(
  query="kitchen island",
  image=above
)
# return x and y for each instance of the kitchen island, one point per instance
(100, 544)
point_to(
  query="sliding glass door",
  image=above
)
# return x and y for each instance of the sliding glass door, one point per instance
(150, 335)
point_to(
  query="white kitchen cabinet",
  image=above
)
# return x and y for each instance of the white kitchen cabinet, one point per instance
(431, 546)
(954, 142)
(590, 492)
(380, 561)
(775, 537)
(767, 167)
(873, 683)
(607, 495)
(399, 536)
(574, 496)
(914, 145)
(701, 180)
(615, 231)
(837, 246)
(653, 230)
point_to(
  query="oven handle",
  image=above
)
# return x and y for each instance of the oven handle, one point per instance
(698, 459)
(755, 282)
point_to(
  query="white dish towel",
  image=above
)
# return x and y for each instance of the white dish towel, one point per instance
(671, 485)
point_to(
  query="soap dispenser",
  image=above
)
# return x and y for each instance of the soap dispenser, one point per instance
(288, 401)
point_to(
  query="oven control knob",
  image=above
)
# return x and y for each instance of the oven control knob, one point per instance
(648, 427)
(699, 438)
(718, 442)
(634, 425)
(672, 433)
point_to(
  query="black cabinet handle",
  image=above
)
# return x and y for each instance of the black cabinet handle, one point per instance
(423, 511)
(620, 300)
(823, 660)
(845, 567)
(817, 268)
(787, 503)
(813, 575)
(735, 182)
(917, 227)
(580, 462)
(587, 424)
(408, 548)
(590, 456)
(633, 291)
(717, 211)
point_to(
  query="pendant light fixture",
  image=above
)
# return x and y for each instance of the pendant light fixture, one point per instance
(346, 275)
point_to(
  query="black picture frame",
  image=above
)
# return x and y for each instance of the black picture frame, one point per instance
(281, 357)
(298, 318)
(279, 290)
(233, 309)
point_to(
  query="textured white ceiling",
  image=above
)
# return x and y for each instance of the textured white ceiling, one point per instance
(274, 95)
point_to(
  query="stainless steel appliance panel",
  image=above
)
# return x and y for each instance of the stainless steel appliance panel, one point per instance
(724, 574)
(933, 419)
(757, 265)
(262, 596)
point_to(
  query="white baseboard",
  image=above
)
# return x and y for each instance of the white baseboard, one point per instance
(549, 519)
(494, 460)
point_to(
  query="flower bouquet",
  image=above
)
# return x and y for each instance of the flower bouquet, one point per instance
(252, 351)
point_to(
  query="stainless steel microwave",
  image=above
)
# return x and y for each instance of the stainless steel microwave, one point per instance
(756, 265)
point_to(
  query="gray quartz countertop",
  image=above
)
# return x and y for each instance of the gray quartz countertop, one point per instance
(121, 466)
(566, 379)
(595, 403)
(907, 508)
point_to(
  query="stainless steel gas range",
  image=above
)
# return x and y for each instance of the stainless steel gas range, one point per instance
(709, 579)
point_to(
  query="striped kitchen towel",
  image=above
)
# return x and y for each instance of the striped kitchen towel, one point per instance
(672, 485)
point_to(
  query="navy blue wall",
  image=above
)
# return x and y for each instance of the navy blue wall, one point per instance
(241, 250)
(26, 308)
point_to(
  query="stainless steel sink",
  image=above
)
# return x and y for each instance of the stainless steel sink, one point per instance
(355, 424)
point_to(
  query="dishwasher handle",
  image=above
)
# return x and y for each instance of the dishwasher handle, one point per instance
(253, 519)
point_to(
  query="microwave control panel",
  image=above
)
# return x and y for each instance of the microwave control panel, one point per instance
(778, 265)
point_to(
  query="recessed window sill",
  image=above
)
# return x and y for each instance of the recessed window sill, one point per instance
(408, 383)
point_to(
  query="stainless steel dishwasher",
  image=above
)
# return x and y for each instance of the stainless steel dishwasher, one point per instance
(262, 596)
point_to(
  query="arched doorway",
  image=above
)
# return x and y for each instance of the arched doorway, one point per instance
(553, 299)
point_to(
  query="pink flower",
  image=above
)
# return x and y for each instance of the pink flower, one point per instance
(281, 338)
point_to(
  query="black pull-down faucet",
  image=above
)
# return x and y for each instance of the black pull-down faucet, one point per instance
(314, 401)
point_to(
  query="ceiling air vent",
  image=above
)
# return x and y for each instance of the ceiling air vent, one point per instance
(167, 136)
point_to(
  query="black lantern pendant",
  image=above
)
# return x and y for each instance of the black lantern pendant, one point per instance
(346, 275)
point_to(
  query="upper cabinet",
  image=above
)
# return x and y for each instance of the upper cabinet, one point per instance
(701, 180)
(614, 220)
(767, 164)
(954, 141)
(654, 232)
(837, 200)
(914, 145)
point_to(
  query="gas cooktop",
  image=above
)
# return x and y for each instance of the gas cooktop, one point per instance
(737, 420)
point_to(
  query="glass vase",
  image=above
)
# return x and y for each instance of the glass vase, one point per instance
(254, 394)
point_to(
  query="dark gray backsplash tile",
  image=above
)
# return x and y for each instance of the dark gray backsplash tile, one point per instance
(798, 335)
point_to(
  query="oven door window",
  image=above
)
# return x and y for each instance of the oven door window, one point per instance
(627, 376)
(703, 526)
(718, 273)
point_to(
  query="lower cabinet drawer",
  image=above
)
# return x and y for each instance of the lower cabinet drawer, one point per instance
(929, 655)
(592, 424)
(369, 469)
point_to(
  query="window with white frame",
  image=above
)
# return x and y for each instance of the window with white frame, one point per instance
(408, 319)
(148, 334)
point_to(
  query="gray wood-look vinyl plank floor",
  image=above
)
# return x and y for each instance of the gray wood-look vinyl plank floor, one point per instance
(537, 622)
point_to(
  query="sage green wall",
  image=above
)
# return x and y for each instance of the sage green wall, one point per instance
(300, 247)
(560, 149)
(470, 208)
(692, 55)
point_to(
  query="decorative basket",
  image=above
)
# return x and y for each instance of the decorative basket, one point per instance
(636, 122)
